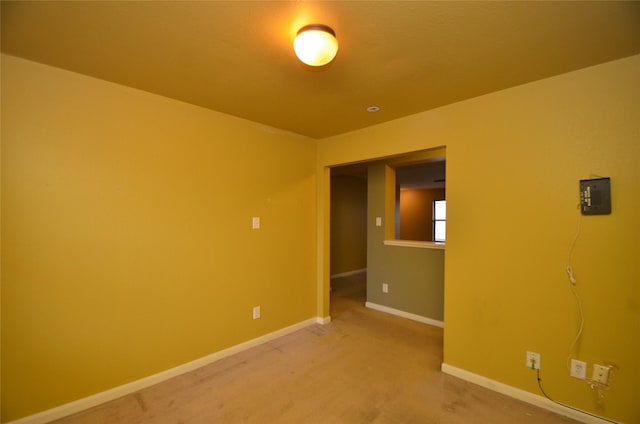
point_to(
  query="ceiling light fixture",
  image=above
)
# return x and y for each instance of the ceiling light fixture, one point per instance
(316, 44)
(373, 109)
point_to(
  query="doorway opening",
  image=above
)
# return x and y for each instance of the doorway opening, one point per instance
(348, 221)
(402, 275)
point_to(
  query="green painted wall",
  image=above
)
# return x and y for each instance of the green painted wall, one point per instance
(505, 289)
(127, 246)
(415, 275)
(348, 223)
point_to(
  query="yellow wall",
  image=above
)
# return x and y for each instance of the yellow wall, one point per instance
(506, 289)
(126, 231)
(127, 246)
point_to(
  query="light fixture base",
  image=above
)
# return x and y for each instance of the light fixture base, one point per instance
(317, 27)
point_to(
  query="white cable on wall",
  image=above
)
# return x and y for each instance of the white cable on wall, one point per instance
(572, 280)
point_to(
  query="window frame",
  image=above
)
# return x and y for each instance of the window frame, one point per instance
(436, 220)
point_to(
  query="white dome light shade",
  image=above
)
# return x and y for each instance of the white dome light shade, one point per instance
(316, 44)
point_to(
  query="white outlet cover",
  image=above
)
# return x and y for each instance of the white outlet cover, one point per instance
(600, 374)
(256, 312)
(385, 288)
(578, 369)
(533, 360)
(255, 222)
(378, 221)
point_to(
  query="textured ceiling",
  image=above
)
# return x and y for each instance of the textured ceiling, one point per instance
(236, 57)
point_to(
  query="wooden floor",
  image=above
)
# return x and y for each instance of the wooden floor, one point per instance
(364, 367)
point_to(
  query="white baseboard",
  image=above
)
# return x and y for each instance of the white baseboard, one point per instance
(522, 395)
(404, 314)
(348, 273)
(323, 321)
(117, 392)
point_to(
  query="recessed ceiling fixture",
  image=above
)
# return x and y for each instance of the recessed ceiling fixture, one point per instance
(373, 109)
(316, 44)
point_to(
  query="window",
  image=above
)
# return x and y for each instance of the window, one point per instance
(419, 183)
(439, 220)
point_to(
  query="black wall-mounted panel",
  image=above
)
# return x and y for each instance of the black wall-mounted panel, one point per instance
(595, 196)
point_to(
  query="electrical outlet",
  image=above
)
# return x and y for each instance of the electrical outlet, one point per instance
(256, 312)
(601, 374)
(385, 288)
(578, 369)
(533, 360)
